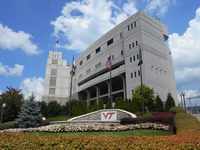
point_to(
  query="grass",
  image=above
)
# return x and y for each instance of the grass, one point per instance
(120, 133)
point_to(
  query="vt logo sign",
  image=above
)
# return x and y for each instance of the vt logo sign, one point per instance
(108, 116)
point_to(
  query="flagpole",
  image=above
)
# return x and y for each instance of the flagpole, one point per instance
(70, 94)
(141, 82)
(110, 88)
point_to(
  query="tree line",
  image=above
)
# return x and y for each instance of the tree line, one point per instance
(14, 100)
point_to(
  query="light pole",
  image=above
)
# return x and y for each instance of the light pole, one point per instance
(183, 95)
(181, 100)
(3, 106)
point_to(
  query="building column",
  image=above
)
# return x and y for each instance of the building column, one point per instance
(124, 86)
(88, 97)
(97, 94)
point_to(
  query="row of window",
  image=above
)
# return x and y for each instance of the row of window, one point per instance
(130, 26)
(134, 57)
(52, 91)
(136, 73)
(109, 42)
(54, 61)
(158, 70)
(132, 45)
(99, 64)
(52, 81)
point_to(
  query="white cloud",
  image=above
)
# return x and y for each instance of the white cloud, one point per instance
(0, 92)
(186, 52)
(82, 22)
(32, 85)
(191, 93)
(5, 70)
(158, 7)
(11, 40)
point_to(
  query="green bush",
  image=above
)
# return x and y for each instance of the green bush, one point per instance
(177, 109)
(186, 122)
(7, 125)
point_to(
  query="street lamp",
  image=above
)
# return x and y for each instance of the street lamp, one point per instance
(3, 106)
(181, 100)
(183, 95)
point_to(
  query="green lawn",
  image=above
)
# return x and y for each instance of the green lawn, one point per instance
(120, 133)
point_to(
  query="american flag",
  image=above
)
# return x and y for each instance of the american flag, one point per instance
(109, 63)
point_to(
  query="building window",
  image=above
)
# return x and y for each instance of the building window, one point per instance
(52, 81)
(81, 62)
(98, 49)
(133, 57)
(129, 46)
(52, 91)
(138, 72)
(131, 26)
(53, 72)
(109, 42)
(128, 28)
(98, 65)
(54, 61)
(120, 35)
(136, 43)
(131, 75)
(113, 57)
(122, 52)
(135, 74)
(130, 59)
(137, 56)
(88, 56)
(166, 40)
(133, 45)
(88, 71)
(134, 23)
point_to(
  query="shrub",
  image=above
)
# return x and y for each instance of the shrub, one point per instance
(169, 102)
(7, 125)
(186, 122)
(150, 119)
(177, 109)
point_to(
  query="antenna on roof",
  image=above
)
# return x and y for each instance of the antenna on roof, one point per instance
(57, 42)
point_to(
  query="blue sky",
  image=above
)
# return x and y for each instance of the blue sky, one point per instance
(29, 29)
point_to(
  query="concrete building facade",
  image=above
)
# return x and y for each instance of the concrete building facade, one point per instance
(91, 79)
(57, 79)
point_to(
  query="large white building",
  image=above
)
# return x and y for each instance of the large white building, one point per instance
(57, 78)
(91, 80)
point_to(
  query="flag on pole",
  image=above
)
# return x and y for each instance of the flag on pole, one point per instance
(73, 67)
(140, 57)
(109, 63)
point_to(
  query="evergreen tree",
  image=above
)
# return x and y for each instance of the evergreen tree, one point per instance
(169, 102)
(30, 115)
(43, 108)
(158, 104)
(54, 109)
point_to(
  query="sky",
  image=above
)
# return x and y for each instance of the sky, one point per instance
(29, 30)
